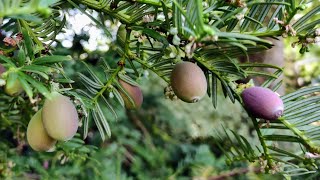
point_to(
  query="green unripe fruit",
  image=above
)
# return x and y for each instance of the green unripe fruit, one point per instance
(13, 86)
(188, 82)
(37, 136)
(121, 35)
(14, 89)
(134, 92)
(60, 117)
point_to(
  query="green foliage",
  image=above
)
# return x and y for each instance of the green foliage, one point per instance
(159, 34)
(19, 9)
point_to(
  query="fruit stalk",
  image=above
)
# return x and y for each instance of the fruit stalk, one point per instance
(108, 83)
(267, 155)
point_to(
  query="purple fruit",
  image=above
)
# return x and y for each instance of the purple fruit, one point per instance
(262, 103)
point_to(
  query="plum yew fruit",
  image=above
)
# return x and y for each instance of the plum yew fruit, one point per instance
(188, 82)
(134, 92)
(13, 86)
(262, 103)
(121, 35)
(60, 117)
(37, 136)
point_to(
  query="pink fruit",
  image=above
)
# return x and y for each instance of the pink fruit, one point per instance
(134, 92)
(60, 117)
(262, 103)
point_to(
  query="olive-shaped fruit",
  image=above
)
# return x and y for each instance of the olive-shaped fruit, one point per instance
(262, 103)
(60, 117)
(13, 89)
(134, 92)
(37, 136)
(13, 86)
(188, 82)
(121, 35)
